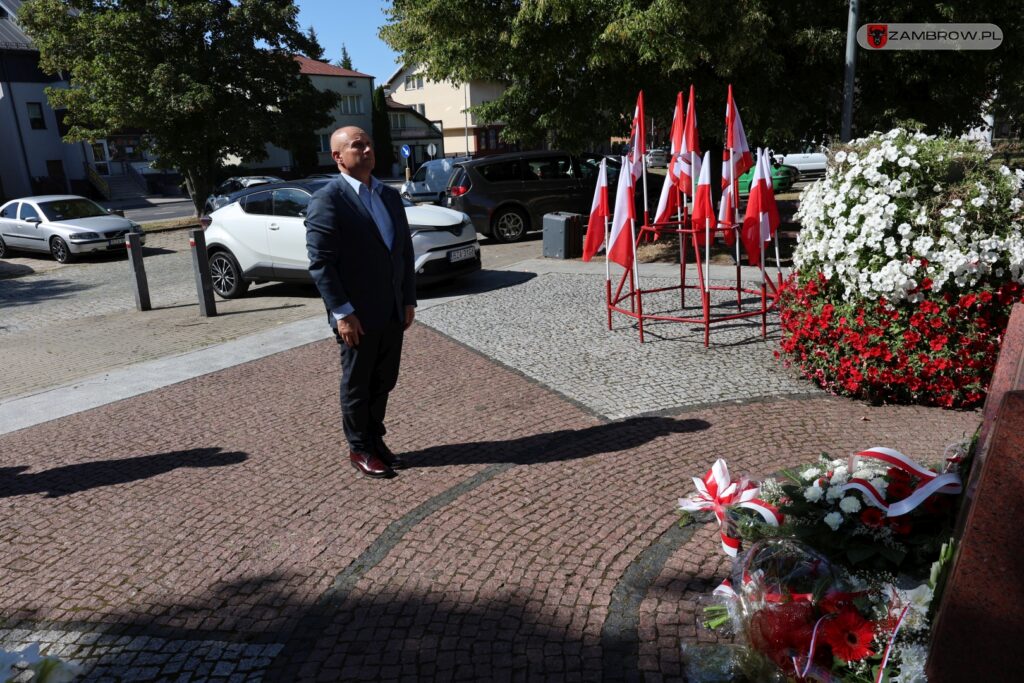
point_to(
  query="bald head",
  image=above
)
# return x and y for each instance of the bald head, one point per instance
(352, 151)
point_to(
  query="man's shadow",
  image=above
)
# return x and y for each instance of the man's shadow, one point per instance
(565, 444)
(63, 481)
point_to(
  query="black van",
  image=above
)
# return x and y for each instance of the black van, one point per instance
(507, 195)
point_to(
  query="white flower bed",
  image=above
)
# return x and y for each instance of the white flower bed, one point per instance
(899, 207)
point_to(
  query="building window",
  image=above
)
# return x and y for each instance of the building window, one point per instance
(325, 142)
(421, 108)
(397, 121)
(35, 115)
(351, 104)
(414, 82)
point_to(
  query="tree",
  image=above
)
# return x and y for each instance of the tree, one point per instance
(346, 61)
(232, 85)
(572, 68)
(382, 146)
(315, 50)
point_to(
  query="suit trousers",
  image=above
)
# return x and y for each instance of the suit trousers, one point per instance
(368, 374)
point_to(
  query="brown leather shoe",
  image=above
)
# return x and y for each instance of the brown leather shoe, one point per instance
(393, 461)
(370, 465)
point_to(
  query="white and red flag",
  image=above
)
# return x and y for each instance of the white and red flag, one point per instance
(598, 214)
(703, 216)
(620, 242)
(637, 139)
(735, 139)
(736, 160)
(689, 149)
(762, 215)
(668, 204)
(676, 139)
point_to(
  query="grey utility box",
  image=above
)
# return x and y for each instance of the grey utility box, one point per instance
(563, 235)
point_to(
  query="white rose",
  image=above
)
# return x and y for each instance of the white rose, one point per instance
(849, 504)
(833, 519)
(812, 494)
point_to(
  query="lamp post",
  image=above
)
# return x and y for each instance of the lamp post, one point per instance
(851, 62)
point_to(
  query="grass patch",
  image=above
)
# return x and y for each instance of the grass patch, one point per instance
(171, 224)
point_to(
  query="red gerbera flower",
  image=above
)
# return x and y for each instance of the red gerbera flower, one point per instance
(850, 635)
(872, 517)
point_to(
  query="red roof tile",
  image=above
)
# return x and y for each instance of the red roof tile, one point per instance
(312, 67)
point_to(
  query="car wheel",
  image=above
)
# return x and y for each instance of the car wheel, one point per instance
(227, 276)
(509, 226)
(59, 250)
(3, 248)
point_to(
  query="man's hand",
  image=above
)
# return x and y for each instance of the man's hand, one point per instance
(350, 330)
(410, 315)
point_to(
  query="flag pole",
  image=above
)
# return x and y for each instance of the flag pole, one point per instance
(643, 167)
(607, 268)
(734, 189)
(682, 248)
(639, 309)
(707, 280)
(764, 279)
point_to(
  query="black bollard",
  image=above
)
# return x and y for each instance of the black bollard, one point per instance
(201, 265)
(133, 241)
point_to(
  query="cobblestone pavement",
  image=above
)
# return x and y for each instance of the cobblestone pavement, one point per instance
(209, 530)
(560, 337)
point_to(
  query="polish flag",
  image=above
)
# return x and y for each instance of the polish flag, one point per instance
(598, 214)
(689, 144)
(621, 239)
(703, 205)
(637, 139)
(736, 139)
(762, 215)
(668, 204)
(736, 160)
(676, 140)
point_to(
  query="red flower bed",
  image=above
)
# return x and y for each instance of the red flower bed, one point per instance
(940, 351)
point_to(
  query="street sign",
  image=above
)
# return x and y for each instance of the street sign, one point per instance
(431, 150)
(406, 152)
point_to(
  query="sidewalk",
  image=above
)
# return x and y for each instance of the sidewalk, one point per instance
(201, 524)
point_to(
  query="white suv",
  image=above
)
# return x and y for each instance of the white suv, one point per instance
(261, 237)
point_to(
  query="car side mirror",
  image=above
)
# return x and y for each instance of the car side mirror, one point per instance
(116, 212)
(33, 219)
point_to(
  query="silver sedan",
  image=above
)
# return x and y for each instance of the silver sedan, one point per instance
(63, 225)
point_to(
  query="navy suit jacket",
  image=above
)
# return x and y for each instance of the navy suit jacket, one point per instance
(349, 261)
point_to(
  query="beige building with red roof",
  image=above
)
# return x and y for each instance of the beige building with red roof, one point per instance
(355, 108)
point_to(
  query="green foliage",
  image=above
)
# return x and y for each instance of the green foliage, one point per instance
(346, 61)
(382, 147)
(204, 78)
(573, 67)
(315, 50)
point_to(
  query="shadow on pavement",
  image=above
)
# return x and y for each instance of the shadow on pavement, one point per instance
(477, 283)
(372, 635)
(63, 481)
(565, 444)
(18, 293)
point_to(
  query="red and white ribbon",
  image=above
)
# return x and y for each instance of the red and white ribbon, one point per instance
(717, 492)
(931, 482)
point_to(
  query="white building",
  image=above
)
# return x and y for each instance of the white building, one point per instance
(464, 133)
(33, 159)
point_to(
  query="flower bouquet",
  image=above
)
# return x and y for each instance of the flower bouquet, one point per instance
(843, 560)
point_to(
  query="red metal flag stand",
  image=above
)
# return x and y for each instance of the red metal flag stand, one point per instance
(628, 300)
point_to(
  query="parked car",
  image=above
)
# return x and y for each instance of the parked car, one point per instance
(430, 181)
(64, 225)
(810, 162)
(261, 237)
(783, 178)
(221, 193)
(507, 195)
(657, 157)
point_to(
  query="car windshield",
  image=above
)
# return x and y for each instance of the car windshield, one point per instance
(70, 209)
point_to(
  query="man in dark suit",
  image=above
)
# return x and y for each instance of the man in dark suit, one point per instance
(361, 259)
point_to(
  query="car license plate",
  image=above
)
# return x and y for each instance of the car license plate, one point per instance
(456, 255)
(115, 243)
